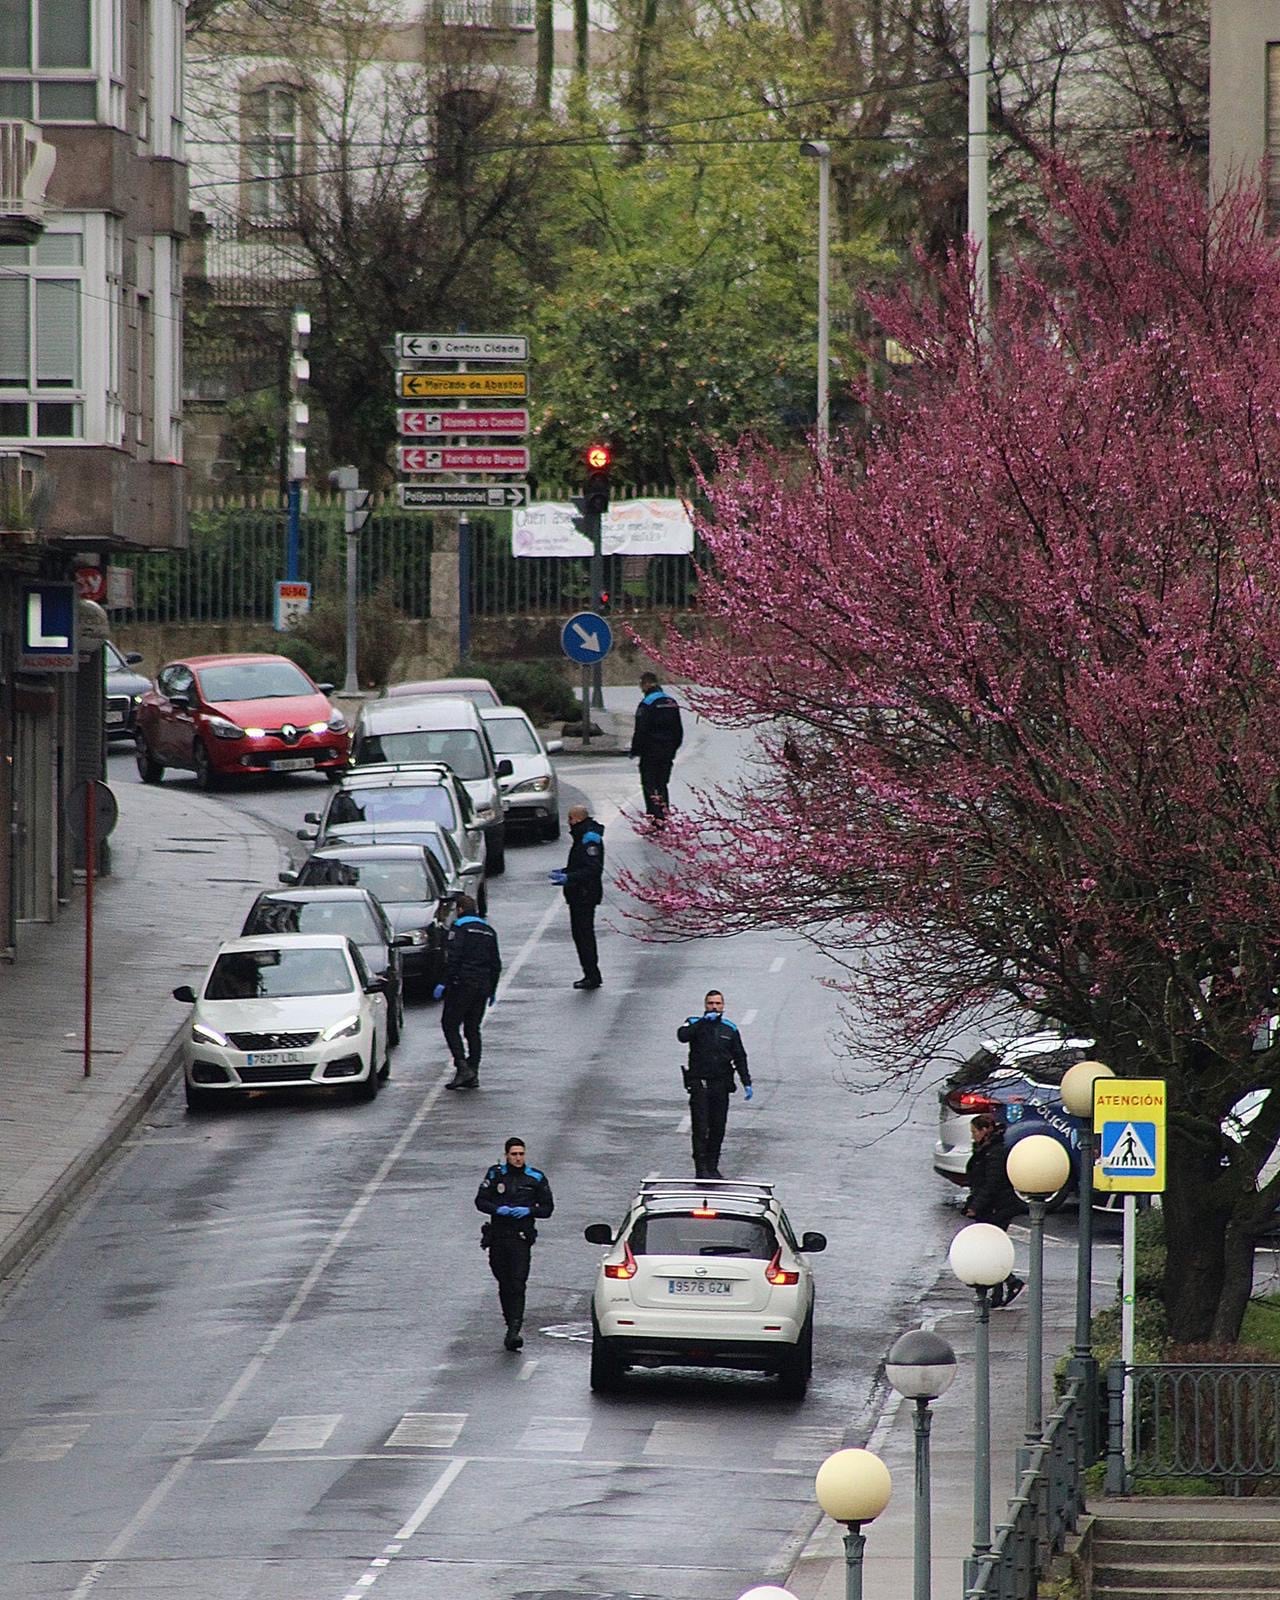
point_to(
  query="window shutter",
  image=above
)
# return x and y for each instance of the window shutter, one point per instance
(57, 334)
(15, 364)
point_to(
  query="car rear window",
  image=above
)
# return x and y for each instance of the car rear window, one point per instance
(392, 882)
(277, 974)
(403, 803)
(254, 680)
(510, 736)
(686, 1234)
(350, 917)
(457, 748)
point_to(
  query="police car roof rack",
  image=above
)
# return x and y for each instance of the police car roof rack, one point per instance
(737, 1188)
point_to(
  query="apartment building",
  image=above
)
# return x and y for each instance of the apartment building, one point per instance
(1244, 96)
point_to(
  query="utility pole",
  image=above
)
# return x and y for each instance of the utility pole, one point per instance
(299, 420)
(355, 513)
(979, 219)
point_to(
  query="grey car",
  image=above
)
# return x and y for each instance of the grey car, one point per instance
(531, 791)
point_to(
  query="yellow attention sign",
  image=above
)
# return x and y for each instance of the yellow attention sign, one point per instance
(451, 385)
(1128, 1125)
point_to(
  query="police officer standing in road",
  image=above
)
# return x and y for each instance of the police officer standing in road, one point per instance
(716, 1052)
(582, 880)
(658, 734)
(512, 1195)
(472, 969)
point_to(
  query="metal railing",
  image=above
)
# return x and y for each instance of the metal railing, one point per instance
(1213, 1420)
(483, 13)
(26, 165)
(1045, 1509)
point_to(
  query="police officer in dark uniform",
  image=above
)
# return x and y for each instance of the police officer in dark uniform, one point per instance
(716, 1052)
(658, 734)
(472, 969)
(582, 879)
(512, 1195)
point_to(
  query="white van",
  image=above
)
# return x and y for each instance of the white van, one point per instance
(439, 728)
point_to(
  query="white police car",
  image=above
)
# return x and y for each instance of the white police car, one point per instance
(708, 1273)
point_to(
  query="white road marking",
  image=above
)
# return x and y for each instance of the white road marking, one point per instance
(559, 1435)
(432, 1498)
(427, 1430)
(748, 1017)
(526, 1371)
(603, 1464)
(300, 1433)
(807, 1442)
(777, 964)
(685, 1123)
(47, 1443)
(684, 1438)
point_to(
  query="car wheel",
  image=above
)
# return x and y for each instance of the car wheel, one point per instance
(368, 1088)
(607, 1371)
(206, 777)
(198, 1100)
(149, 769)
(551, 830)
(797, 1365)
(496, 857)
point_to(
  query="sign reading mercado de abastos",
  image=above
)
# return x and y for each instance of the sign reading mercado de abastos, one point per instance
(627, 528)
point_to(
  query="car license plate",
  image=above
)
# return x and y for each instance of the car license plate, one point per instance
(293, 763)
(699, 1286)
(274, 1058)
(115, 719)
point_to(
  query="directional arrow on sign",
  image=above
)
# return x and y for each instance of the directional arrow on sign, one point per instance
(590, 641)
(421, 424)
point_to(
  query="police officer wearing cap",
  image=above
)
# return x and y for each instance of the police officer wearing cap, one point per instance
(512, 1195)
(716, 1053)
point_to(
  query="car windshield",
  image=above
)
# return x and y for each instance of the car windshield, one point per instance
(392, 882)
(350, 917)
(511, 736)
(459, 748)
(278, 974)
(403, 803)
(684, 1234)
(254, 680)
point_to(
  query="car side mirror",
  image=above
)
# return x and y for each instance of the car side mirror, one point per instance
(401, 940)
(813, 1242)
(133, 658)
(555, 746)
(311, 816)
(182, 701)
(505, 768)
(325, 688)
(287, 877)
(471, 867)
(305, 833)
(598, 1233)
(376, 986)
(185, 993)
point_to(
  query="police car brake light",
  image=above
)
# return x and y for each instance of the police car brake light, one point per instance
(968, 1101)
(626, 1268)
(778, 1274)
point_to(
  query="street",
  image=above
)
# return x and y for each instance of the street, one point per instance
(263, 1358)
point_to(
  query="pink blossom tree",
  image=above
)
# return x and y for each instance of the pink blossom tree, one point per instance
(1015, 674)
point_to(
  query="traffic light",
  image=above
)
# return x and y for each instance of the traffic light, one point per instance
(599, 458)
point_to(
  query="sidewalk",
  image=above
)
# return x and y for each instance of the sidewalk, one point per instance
(183, 869)
(888, 1565)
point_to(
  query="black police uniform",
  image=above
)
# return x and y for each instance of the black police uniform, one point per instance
(992, 1198)
(658, 734)
(583, 892)
(472, 969)
(716, 1052)
(509, 1240)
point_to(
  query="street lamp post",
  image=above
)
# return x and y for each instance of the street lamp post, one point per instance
(979, 210)
(853, 1487)
(821, 151)
(1077, 1097)
(1038, 1166)
(981, 1255)
(921, 1366)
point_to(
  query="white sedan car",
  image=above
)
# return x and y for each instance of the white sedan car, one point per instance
(281, 1012)
(705, 1273)
(531, 794)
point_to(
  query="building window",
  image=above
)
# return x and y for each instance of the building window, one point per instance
(46, 60)
(271, 151)
(41, 338)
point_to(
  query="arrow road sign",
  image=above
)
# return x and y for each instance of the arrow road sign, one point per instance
(462, 347)
(586, 638)
(463, 496)
(424, 423)
(460, 385)
(463, 458)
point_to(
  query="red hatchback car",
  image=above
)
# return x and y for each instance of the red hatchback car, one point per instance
(218, 716)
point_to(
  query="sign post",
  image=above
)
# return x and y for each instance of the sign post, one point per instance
(586, 638)
(91, 814)
(1129, 1127)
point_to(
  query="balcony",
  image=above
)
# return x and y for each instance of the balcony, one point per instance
(26, 165)
(511, 16)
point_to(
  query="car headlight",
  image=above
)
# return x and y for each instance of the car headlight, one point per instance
(317, 727)
(137, 699)
(485, 813)
(342, 1030)
(337, 723)
(531, 786)
(202, 1034)
(418, 936)
(222, 729)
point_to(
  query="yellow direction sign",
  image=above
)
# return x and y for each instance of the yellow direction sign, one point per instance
(1128, 1123)
(452, 385)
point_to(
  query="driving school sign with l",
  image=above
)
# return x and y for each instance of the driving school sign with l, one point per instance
(1129, 1122)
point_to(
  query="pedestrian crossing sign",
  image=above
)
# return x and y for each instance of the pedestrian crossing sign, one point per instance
(1129, 1121)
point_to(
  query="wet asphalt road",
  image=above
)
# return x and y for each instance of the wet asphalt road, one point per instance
(264, 1357)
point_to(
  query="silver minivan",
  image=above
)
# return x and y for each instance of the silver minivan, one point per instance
(440, 728)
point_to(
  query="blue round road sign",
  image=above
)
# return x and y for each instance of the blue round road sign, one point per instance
(586, 638)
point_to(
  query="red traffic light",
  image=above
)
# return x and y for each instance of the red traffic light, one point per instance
(599, 457)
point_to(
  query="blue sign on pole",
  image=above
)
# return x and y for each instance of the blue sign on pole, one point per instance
(49, 642)
(586, 638)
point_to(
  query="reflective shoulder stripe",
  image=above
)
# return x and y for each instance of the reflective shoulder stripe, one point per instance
(729, 1024)
(538, 1177)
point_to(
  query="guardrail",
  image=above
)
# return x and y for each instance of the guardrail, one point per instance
(1214, 1420)
(1045, 1509)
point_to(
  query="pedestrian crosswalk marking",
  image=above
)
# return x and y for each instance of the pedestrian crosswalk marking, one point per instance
(300, 1433)
(427, 1430)
(47, 1442)
(684, 1439)
(1129, 1147)
(807, 1443)
(561, 1435)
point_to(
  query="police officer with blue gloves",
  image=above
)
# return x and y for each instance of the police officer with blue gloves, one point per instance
(582, 880)
(716, 1053)
(473, 966)
(658, 734)
(512, 1195)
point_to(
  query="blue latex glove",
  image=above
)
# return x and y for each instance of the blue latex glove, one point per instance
(747, 1092)
(438, 992)
(517, 1211)
(504, 1211)
(711, 1016)
(557, 876)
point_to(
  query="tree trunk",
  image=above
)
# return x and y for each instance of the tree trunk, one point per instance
(1237, 1281)
(636, 98)
(1195, 1227)
(581, 33)
(544, 18)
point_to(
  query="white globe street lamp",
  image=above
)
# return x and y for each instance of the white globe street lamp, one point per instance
(1038, 1166)
(853, 1487)
(921, 1366)
(1077, 1097)
(981, 1255)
